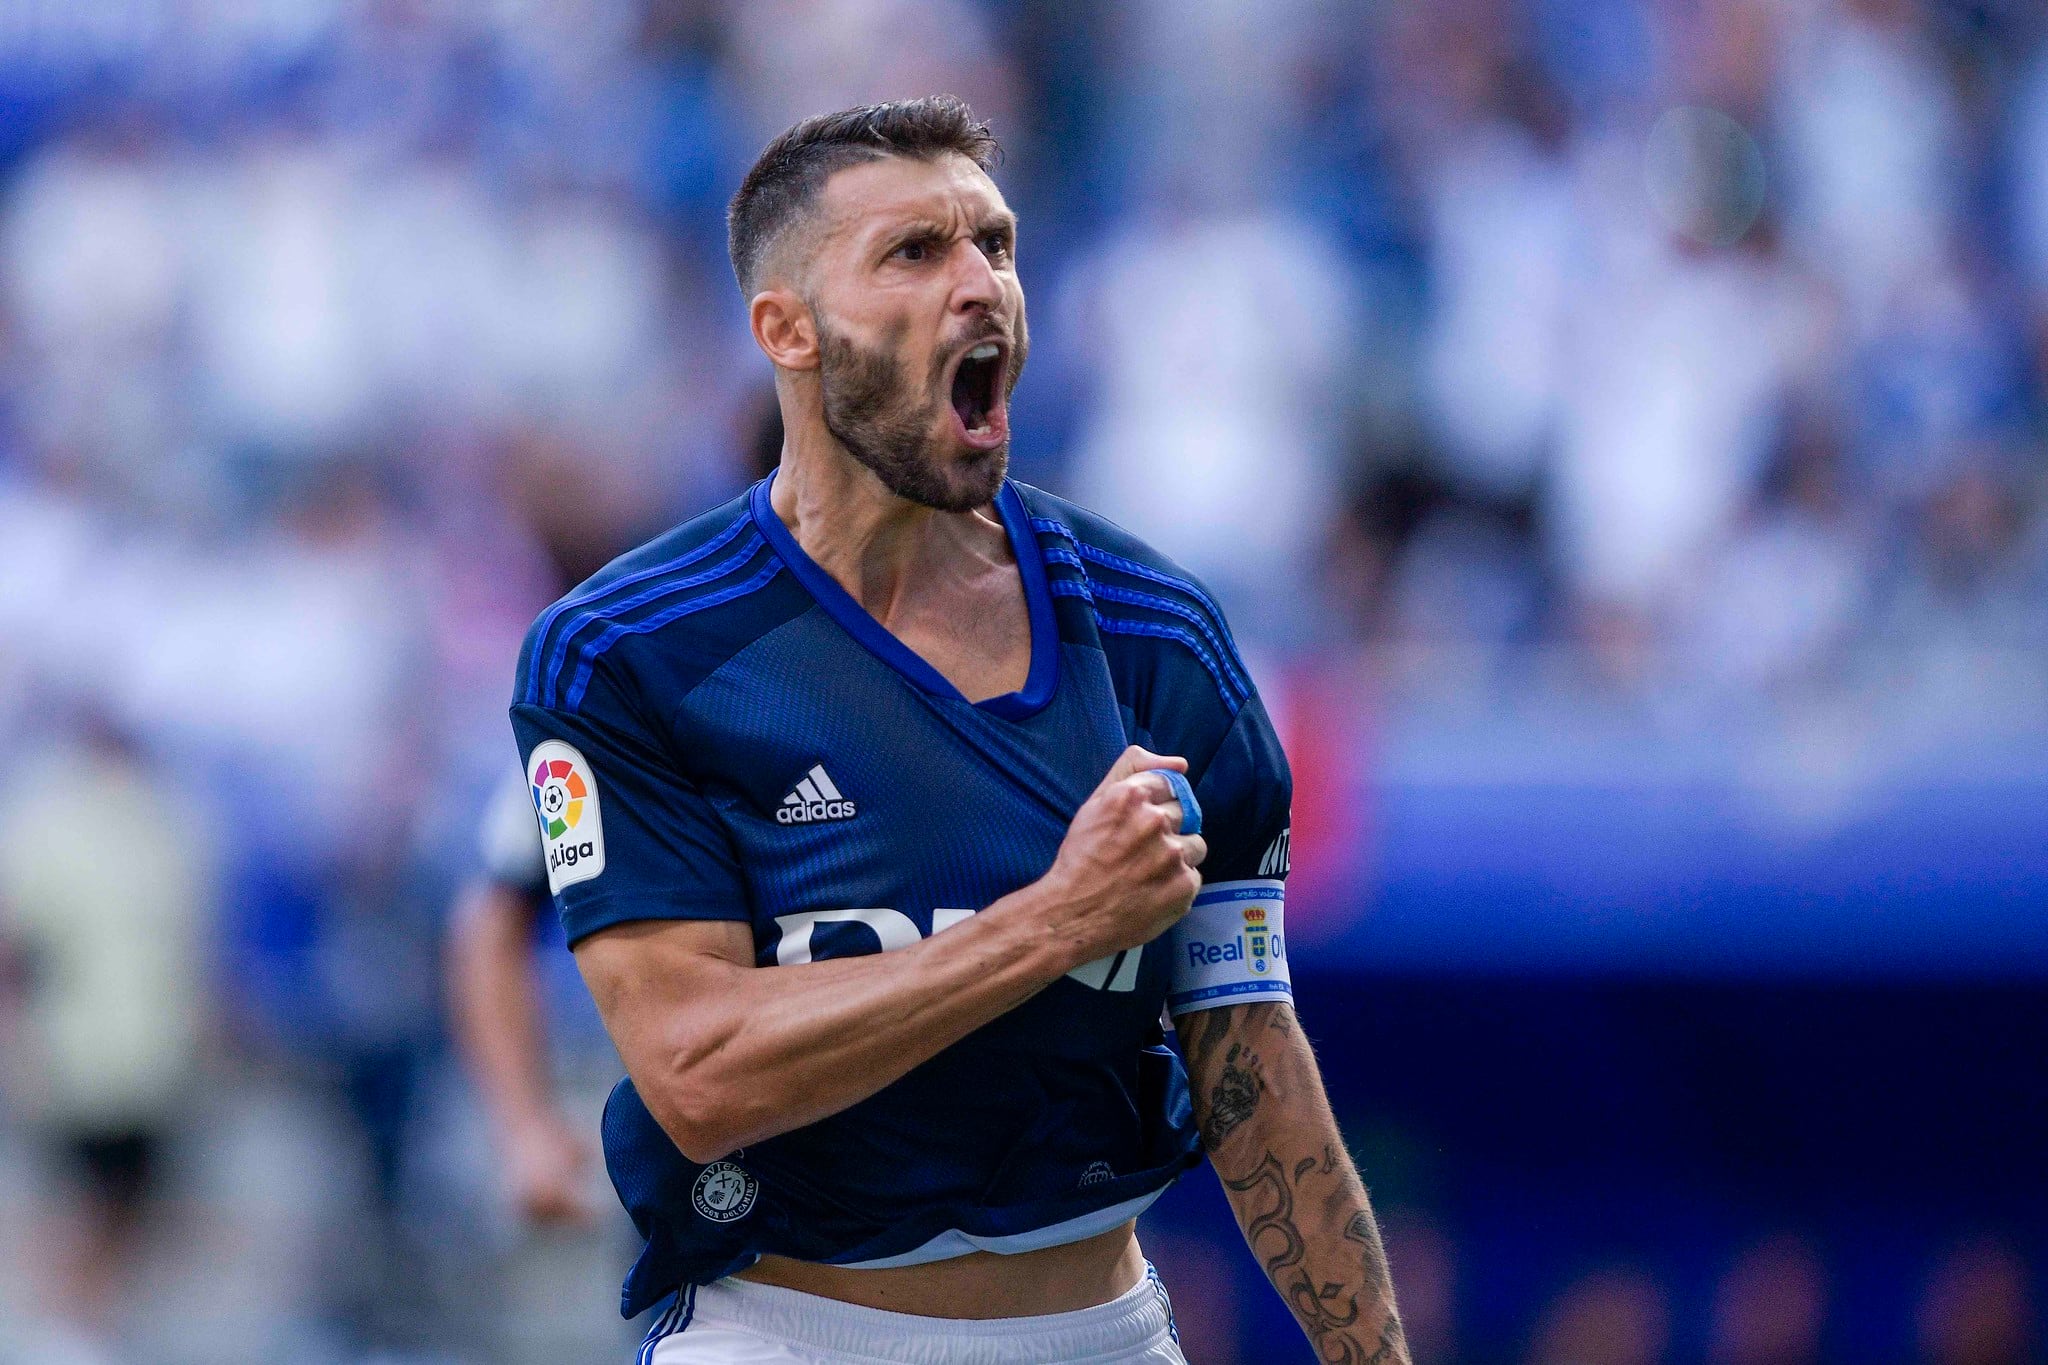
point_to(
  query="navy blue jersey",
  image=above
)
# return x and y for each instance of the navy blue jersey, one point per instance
(714, 729)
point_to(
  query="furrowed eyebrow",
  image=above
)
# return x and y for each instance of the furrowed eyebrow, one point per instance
(915, 230)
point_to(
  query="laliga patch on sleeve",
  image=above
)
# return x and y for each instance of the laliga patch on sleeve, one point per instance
(565, 798)
(1231, 948)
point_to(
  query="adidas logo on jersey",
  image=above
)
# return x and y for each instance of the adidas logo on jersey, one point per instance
(814, 798)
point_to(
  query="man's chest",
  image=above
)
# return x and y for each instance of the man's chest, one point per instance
(839, 784)
(977, 637)
(865, 813)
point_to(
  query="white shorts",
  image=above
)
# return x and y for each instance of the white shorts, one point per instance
(737, 1322)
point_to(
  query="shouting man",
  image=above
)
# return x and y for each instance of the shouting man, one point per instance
(887, 807)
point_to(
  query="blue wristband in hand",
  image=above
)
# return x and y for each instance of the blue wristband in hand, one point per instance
(1190, 809)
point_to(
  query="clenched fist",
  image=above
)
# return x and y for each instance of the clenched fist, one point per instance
(1124, 873)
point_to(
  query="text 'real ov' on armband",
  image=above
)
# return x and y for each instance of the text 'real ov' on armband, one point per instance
(1231, 948)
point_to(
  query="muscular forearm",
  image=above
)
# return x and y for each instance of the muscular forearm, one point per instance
(738, 1054)
(726, 1053)
(1267, 1124)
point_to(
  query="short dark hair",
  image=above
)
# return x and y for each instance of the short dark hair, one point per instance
(786, 178)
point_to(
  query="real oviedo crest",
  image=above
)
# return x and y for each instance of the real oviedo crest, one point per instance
(1258, 945)
(724, 1192)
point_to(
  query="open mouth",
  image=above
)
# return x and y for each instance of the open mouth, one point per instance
(978, 393)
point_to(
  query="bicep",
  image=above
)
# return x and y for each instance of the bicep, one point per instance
(1206, 1039)
(1230, 949)
(1235, 1056)
(649, 976)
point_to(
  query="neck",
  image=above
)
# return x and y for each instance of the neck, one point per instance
(878, 546)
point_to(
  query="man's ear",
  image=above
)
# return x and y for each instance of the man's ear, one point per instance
(784, 329)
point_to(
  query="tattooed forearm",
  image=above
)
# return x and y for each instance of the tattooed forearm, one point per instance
(1277, 1238)
(1270, 1136)
(1391, 1346)
(1234, 1097)
(1366, 1232)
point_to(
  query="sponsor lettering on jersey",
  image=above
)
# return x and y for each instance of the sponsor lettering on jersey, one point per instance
(892, 929)
(565, 800)
(1116, 972)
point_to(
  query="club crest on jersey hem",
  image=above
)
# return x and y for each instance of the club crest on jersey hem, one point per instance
(814, 797)
(724, 1192)
(564, 791)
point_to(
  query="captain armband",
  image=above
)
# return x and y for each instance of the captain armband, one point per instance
(1231, 948)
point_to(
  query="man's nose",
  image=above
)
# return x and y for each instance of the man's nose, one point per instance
(975, 282)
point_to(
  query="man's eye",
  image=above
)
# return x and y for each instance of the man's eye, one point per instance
(913, 251)
(995, 246)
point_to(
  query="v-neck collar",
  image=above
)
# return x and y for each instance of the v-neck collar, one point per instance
(1039, 683)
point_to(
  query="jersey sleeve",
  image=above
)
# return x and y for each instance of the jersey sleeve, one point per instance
(625, 834)
(1231, 947)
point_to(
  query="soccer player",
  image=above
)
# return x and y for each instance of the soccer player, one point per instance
(887, 805)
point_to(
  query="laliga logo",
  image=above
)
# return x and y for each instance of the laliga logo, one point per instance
(559, 792)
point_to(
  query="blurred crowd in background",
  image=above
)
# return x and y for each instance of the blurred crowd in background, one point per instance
(1683, 361)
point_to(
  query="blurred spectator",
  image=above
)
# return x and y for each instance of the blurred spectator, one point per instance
(1503, 225)
(538, 1056)
(1873, 146)
(1978, 1307)
(1682, 357)
(1784, 592)
(1770, 1306)
(2028, 177)
(790, 59)
(495, 998)
(1609, 1317)
(105, 898)
(1216, 342)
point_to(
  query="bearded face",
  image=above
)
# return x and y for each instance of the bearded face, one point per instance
(935, 433)
(908, 277)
